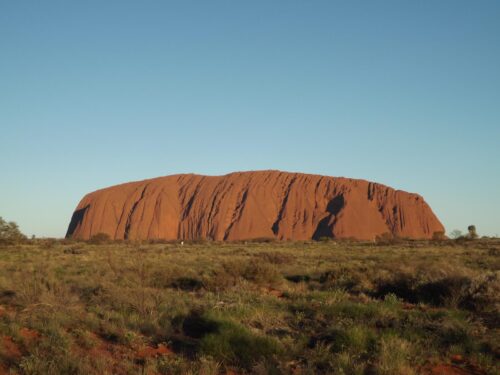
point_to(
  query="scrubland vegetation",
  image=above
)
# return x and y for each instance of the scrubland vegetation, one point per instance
(405, 307)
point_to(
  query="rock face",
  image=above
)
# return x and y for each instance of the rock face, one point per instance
(246, 205)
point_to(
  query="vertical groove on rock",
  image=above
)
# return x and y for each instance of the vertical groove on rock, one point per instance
(191, 200)
(276, 225)
(237, 213)
(129, 219)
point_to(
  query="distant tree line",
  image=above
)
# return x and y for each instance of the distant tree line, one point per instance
(471, 233)
(11, 235)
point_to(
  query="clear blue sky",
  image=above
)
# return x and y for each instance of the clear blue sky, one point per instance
(94, 93)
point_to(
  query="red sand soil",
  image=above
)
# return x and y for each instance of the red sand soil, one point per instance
(151, 352)
(272, 292)
(113, 353)
(9, 349)
(444, 369)
(458, 366)
(250, 205)
(29, 335)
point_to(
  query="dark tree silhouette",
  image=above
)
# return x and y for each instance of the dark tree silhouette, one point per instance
(472, 231)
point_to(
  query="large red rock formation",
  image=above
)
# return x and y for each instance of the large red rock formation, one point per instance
(246, 205)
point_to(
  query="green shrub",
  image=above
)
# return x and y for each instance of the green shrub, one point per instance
(234, 344)
(51, 355)
(476, 293)
(232, 272)
(355, 339)
(275, 257)
(343, 278)
(10, 233)
(483, 293)
(260, 273)
(394, 355)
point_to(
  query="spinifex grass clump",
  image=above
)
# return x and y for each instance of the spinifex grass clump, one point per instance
(237, 345)
(273, 307)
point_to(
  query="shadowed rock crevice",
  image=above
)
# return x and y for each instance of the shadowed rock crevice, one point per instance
(131, 213)
(237, 213)
(276, 224)
(325, 226)
(76, 220)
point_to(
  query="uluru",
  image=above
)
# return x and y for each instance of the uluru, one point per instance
(252, 205)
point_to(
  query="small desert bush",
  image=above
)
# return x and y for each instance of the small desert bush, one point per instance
(455, 288)
(394, 357)
(355, 339)
(234, 344)
(274, 257)
(482, 293)
(231, 273)
(351, 279)
(99, 238)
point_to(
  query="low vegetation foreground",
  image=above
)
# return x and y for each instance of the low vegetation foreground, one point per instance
(262, 308)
